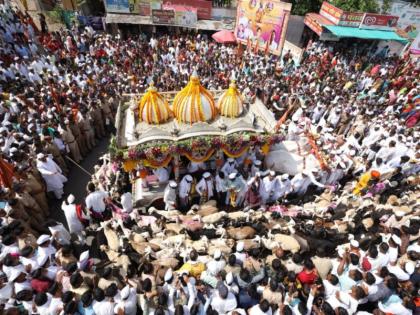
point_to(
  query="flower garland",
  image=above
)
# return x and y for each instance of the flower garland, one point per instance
(198, 159)
(160, 153)
(235, 154)
(157, 164)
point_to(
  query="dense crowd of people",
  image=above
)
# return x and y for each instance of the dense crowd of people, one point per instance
(341, 239)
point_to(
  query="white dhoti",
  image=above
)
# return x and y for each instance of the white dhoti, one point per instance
(73, 222)
(53, 176)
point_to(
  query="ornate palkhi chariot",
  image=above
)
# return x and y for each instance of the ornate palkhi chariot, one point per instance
(200, 126)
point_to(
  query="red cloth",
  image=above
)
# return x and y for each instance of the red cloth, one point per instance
(307, 277)
(40, 285)
(6, 174)
(375, 70)
(366, 264)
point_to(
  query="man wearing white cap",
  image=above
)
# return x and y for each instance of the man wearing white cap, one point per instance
(271, 187)
(128, 302)
(217, 264)
(52, 174)
(70, 212)
(240, 253)
(223, 301)
(185, 191)
(256, 167)
(229, 167)
(205, 188)
(170, 196)
(301, 182)
(394, 242)
(236, 190)
(285, 186)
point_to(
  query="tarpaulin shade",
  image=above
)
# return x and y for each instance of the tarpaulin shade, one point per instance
(342, 31)
(224, 36)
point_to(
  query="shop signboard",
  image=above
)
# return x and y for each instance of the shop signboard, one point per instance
(122, 6)
(331, 12)
(163, 16)
(186, 18)
(313, 24)
(379, 22)
(144, 7)
(351, 19)
(203, 6)
(340, 17)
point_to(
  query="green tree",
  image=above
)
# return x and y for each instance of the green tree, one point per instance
(370, 6)
(386, 6)
(301, 7)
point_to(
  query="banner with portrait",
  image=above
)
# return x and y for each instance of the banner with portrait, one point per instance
(263, 24)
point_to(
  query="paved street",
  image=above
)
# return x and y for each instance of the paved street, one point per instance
(78, 180)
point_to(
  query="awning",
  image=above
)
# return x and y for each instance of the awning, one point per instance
(224, 36)
(127, 19)
(147, 20)
(315, 22)
(342, 31)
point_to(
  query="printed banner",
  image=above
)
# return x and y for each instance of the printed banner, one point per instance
(409, 16)
(379, 21)
(122, 6)
(415, 46)
(144, 7)
(311, 22)
(340, 17)
(331, 12)
(263, 23)
(186, 18)
(203, 7)
(163, 16)
(351, 19)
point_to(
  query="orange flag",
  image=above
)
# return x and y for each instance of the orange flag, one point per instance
(6, 173)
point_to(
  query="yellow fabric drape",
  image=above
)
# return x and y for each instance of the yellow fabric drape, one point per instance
(157, 164)
(234, 154)
(196, 159)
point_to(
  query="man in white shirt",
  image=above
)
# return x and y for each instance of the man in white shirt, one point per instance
(217, 264)
(205, 188)
(96, 200)
(285, 186)
(229, 167)
(170, 196)
(271, 187)
(52, 174)
(102, 305)
(42, 302)
(223, 301)
(185, 191)
(263, 308)
(128, 302)
(70, 212)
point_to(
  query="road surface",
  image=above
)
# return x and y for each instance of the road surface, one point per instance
(78, 180)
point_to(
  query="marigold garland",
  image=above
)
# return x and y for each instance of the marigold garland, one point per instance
(158, 164)
(234, 154)
(159, 153)
(195, 159)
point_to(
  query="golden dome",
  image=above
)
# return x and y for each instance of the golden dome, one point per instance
(194, 103)
(154, 109)
(230, 103)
